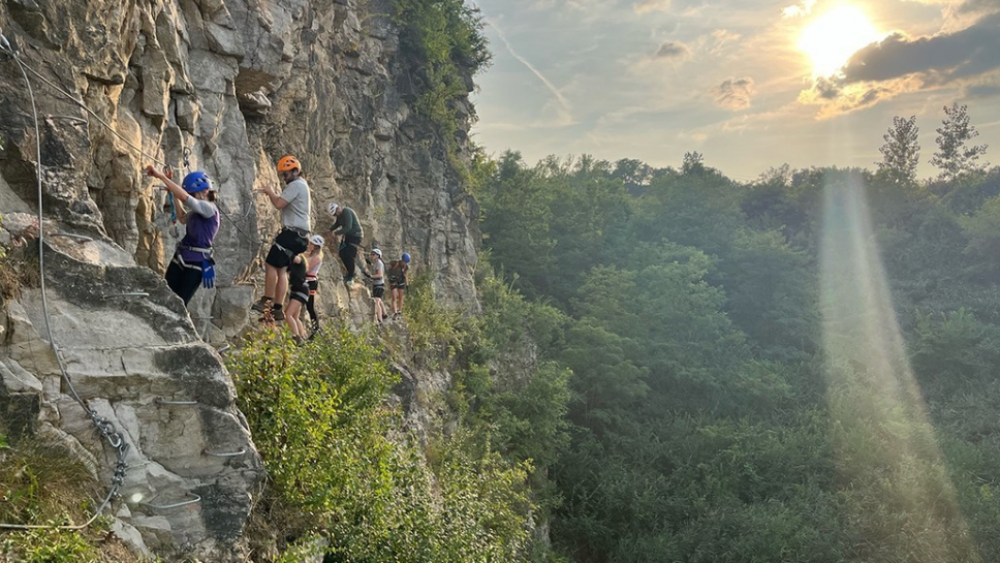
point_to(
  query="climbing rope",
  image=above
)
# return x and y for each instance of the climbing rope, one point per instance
(105, 428)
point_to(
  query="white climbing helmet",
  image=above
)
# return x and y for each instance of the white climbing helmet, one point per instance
(377, 252)
(317, 240)
(333, 208)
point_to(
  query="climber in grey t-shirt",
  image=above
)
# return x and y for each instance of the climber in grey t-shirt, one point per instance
(294, 203)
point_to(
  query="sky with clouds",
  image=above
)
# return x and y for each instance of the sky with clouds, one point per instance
(747, 83)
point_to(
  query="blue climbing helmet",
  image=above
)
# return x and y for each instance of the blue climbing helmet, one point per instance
(406, 258)
(195, 182)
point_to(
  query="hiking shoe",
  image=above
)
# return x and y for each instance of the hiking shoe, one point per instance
(397, 315)
(384, 317)
(278, 315)
(262, 305)
(348, 282)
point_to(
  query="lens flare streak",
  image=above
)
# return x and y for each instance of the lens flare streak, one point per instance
(892, 474)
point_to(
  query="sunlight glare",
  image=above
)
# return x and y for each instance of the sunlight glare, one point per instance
(879, 421)
(835, 35)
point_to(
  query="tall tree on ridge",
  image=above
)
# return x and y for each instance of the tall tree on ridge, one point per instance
(901, 151)
(954, 157)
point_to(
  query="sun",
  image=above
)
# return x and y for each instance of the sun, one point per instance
(833, 36)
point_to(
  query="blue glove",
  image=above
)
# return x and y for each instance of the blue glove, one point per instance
(208, 274)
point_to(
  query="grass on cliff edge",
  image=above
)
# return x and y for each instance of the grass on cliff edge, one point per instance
(40, 484)
(342, 467)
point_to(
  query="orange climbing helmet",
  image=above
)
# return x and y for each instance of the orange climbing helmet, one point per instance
(288, 163)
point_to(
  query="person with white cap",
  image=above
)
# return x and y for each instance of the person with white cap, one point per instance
(348, 232)
(314, 259)
(378, 285)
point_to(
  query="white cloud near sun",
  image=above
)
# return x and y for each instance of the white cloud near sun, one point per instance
(798, 10)
(645, 6)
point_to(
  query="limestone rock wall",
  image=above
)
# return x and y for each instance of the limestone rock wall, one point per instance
(226, 86)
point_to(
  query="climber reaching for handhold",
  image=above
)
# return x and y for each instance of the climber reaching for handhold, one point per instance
(192, 264)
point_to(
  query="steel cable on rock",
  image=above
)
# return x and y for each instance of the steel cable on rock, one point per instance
(107, 430)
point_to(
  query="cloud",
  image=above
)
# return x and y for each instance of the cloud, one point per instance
(979, 6)
(672, 50)
(734, 94)
(982, 91)
(798, 10)
(645, 6)
(719, 39)
(941, 58)
(899, 64)
(837, 99)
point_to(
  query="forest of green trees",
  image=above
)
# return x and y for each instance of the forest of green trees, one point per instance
(800, 368)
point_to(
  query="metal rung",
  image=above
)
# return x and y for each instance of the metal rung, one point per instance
(68, 118)
(223, 348)
(161, 401)
(243, 451)
(71, 235)
(193, 500)
(131, 294)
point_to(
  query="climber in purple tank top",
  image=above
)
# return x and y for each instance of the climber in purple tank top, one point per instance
(192, 264)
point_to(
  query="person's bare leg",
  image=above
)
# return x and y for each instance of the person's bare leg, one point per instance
(270, 279)
(292, 318)
(281, 285)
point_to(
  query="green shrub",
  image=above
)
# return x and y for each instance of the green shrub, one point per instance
(319, 418)
(42, 485)
(445, 45)
(49, 546)
(437, 333)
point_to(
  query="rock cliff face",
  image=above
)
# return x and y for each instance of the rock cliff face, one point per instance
(229, 86)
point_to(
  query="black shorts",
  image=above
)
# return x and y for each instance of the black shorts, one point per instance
(398, 285)
(299, 293)
(292, 242)
(313, 286)
(378, 291)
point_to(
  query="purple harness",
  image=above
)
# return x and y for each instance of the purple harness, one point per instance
(196, 246)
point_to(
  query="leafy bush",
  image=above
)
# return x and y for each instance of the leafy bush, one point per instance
(437, 333)
(320, 421)
(446, 45)
(49, 546)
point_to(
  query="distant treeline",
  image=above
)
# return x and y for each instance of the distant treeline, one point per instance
(803, 368)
